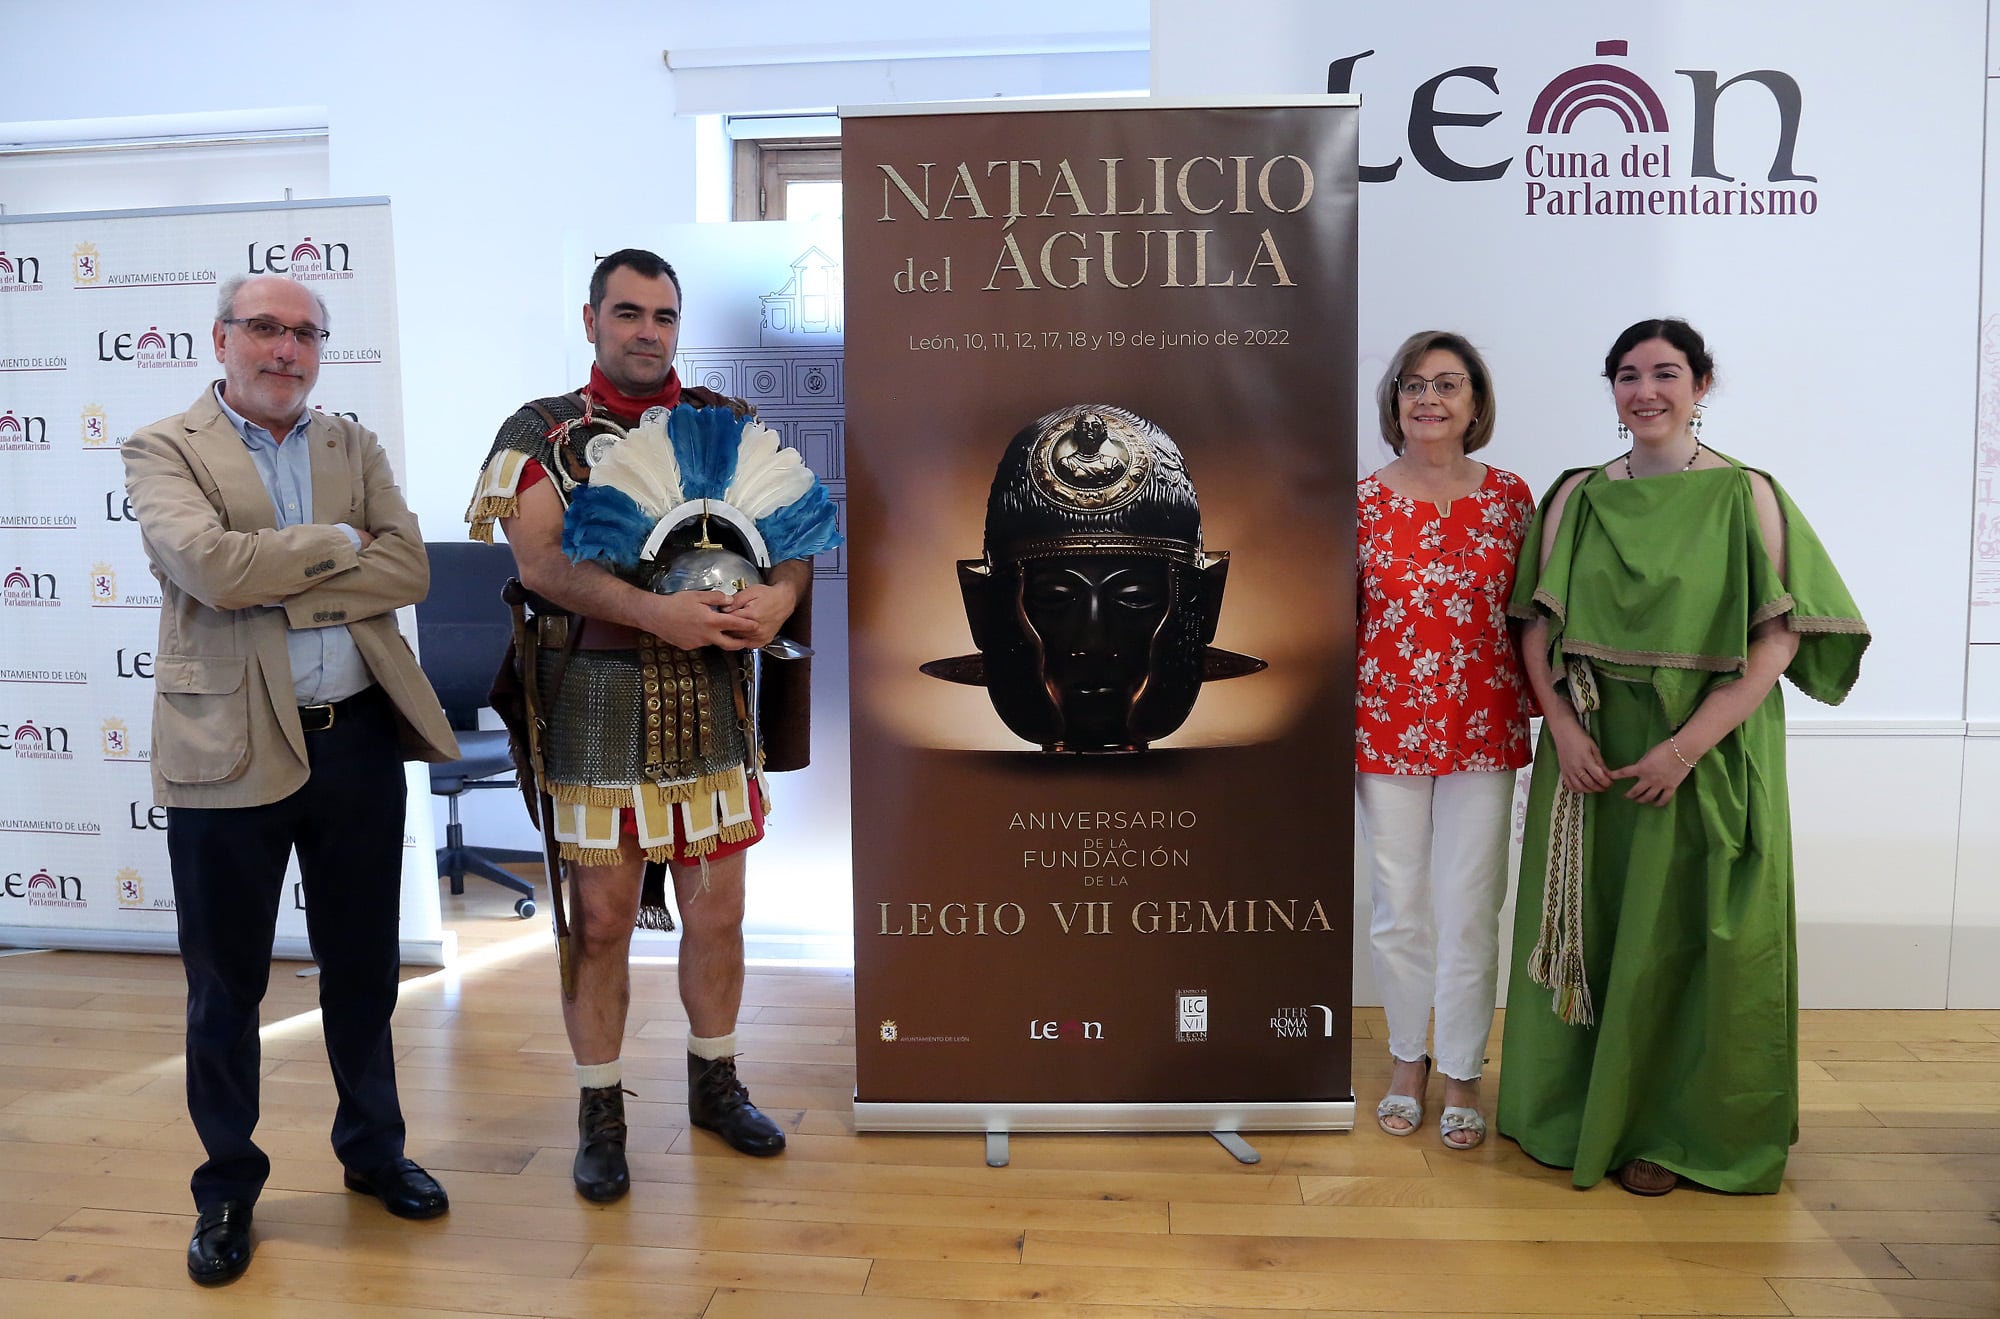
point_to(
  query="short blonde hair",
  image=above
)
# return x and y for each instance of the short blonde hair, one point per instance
(1480, 433)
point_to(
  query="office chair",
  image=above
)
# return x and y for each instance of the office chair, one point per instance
(462, 631)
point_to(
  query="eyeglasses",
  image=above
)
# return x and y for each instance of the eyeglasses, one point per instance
(1445, 384)
(266, 331)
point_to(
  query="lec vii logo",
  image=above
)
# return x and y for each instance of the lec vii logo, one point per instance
(1599, 89)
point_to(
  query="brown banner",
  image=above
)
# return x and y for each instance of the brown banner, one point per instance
(1100, 381)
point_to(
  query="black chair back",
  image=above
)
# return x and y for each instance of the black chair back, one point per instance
(462, 626)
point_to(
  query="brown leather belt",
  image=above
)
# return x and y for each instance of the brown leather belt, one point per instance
(594, 633)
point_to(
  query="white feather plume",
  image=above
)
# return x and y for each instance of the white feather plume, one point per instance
(643, 466)
(768, 476)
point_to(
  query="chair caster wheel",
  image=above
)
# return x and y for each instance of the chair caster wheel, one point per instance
(524, 907)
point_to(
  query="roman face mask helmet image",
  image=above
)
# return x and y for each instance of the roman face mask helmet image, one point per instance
(1095, 603)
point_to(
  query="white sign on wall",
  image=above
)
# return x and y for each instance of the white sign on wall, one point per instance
(1800, 181)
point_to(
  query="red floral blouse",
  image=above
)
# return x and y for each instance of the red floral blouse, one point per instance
(1439, 684)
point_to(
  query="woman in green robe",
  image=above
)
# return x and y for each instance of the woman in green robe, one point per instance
(1652, 1014)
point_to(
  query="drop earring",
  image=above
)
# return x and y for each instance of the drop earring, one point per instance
(1694, 423)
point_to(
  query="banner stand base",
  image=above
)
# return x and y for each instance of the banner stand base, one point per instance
(1218, 1118)
(1240, 1149)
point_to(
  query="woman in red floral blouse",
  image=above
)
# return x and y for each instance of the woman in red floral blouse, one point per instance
(1441, 721)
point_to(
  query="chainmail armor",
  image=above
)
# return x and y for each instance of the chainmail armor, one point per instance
(597, 721)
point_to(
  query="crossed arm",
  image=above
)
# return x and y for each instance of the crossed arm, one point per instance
(312, 571)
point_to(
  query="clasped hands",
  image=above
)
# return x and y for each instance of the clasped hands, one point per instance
(747, 620)
(1656, 774)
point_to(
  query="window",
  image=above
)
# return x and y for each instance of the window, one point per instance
(795, 178)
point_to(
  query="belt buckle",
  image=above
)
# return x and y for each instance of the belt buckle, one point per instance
(312, 724)
(552, 630)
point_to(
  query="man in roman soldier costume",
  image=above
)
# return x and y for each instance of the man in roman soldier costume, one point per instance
(642, 701)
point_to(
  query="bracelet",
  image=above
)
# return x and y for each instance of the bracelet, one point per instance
(1675, 747)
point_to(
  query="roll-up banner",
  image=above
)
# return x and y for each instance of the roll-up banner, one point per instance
(105, 328)
(1100, 411)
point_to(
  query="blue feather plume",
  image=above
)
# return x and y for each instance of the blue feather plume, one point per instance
(705, 442)
(605, 525)
(805, 527)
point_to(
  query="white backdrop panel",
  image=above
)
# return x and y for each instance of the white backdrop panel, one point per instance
(105, 327)
(1986, 479)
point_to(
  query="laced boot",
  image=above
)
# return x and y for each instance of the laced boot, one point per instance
(599, 1172)
(718, 1102)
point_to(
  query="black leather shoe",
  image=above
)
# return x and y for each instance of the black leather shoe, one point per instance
(599, 1172)
(404, 1189)
(718, 1102)
(220, 1249)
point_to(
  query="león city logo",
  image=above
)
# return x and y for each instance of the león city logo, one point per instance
(29, 740)
(1626, 159)
(22, 588)
(151, 348)
(24, 434)
(20, 274)
(303, 260)
(44, 888)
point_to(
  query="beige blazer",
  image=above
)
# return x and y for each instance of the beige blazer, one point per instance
(225, 727)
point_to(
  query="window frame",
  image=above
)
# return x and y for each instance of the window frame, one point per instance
(763, 166)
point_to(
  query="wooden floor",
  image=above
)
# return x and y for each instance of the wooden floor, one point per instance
(1891, 1205)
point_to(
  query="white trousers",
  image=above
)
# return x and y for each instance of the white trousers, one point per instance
(1437, 850)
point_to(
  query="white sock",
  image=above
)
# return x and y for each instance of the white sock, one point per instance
(709, 1048)
(595, 1076)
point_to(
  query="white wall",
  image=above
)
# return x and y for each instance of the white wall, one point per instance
(499, 130)
(1849, 352)
(491, 127)
(1975, 951)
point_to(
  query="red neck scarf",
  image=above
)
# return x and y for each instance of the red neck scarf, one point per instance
(628, 407)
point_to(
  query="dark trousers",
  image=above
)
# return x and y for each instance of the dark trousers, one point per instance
(229, 872)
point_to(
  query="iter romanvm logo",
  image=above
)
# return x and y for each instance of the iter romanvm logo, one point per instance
(1601, 140)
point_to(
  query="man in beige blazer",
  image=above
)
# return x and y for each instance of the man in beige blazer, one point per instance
(285, 701)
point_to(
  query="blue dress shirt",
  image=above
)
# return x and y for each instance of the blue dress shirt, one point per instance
(326, 666)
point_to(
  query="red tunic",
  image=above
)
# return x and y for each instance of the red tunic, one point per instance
(1438, 685)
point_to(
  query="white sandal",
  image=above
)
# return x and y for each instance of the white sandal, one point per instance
(1410, 1109)
(1455, 1120)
